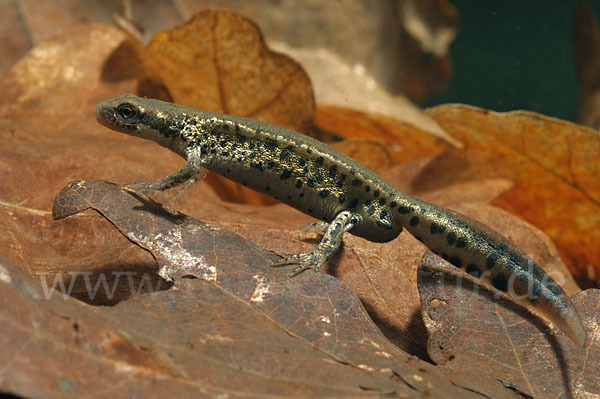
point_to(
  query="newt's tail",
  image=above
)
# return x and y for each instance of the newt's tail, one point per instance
(484, 253)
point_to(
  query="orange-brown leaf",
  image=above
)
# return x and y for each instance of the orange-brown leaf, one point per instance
(218, 61)
(405, 141)
(554, 167)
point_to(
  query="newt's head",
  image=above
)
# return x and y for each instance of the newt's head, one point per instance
(140, 117)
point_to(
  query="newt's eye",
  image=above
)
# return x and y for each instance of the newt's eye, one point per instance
(128, 112)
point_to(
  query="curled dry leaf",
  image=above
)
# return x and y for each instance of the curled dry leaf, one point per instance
(471, 328)
(554, 167)
(232, 323)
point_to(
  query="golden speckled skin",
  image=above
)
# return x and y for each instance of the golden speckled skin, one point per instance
(325, 183)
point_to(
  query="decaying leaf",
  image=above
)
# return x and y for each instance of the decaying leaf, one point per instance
(226, 320)
(470, 325)
(553, 164)
(231, 322)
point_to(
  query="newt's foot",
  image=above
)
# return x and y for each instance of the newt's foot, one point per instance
(317, 227)
(142, 187)
(328, 246)
(188, 183)
(304, 261)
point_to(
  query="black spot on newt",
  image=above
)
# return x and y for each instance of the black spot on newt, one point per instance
(451, 239)
(285, 174)
(500, 282)
(491, 260)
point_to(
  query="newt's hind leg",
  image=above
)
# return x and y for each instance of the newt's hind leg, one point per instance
(328, 246)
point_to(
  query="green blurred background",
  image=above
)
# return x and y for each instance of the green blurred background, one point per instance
(515, 54)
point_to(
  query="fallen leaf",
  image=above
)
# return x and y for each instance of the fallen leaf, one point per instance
(552, 163)
(49, 138)
(226, 310)
(354, 46)
(471, 325)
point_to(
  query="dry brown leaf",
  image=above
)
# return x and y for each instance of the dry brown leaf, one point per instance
(470, 325)
(379, 38)
(49, 138)
(553, 164)
(227, 310)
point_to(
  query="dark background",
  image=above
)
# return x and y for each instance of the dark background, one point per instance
(515, 54)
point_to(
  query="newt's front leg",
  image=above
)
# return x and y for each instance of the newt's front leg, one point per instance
(189, 174)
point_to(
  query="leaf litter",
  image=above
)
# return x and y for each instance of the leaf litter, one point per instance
(70, 145)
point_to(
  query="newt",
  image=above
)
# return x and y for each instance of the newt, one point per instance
(323, 182)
